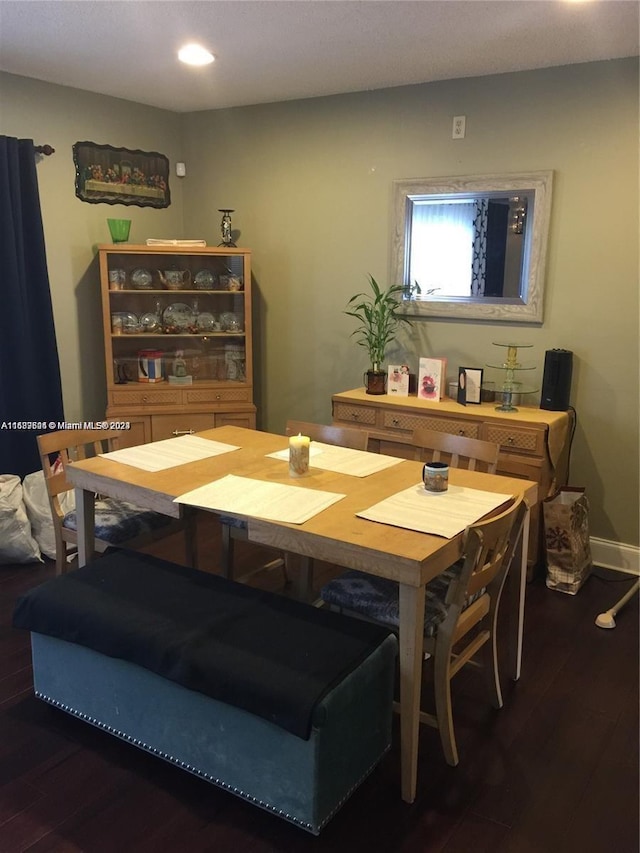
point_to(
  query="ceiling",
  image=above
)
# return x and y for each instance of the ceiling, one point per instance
(278, 50)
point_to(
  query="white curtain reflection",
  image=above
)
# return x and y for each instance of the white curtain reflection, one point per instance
(442, 241)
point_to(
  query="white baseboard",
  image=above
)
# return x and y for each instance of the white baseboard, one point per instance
(616, 555)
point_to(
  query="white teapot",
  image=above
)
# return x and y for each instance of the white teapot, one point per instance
(175, 279)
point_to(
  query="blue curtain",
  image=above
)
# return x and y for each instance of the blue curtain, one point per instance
(30, 388)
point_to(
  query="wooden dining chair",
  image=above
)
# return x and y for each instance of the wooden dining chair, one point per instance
(460, 451)
(117, 522)
(233, 529)
(461, 611)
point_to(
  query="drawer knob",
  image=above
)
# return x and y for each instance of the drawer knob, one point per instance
(355, 415)
(183, 432)
(461, 432)
(218, 396)
(145, 399)
(395, 421)
(511, 440)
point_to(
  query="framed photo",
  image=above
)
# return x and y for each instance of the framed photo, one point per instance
(469, 385)
(108, 175)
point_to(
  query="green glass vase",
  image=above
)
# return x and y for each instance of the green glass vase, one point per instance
(119, 229)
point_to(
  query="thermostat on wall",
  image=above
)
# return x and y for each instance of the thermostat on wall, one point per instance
(181, 170)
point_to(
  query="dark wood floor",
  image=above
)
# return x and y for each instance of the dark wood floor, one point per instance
(555, 770)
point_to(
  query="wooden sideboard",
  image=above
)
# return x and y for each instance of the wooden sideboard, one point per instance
(534, 443)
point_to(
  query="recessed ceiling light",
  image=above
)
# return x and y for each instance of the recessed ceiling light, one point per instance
(194, 54)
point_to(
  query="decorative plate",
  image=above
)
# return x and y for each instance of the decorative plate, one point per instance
(178, 315)
(142, 279)
(207, 322)
(150, 322)
(129, 322)
(204, 280)
(230, 322)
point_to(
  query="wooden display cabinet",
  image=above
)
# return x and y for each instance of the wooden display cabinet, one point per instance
(534, 443)
(177, 332)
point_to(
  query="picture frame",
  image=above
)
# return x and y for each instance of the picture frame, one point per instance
(470, 385)
(109, 175)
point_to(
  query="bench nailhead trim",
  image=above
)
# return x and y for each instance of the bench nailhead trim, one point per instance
(201, 773)
(175, 761)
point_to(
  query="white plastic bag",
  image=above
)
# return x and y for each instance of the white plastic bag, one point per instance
(36, 502)
(17, 545)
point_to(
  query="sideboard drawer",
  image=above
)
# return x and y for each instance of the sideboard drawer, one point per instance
(408, 421)
(354, 414)
(142, 397)
(217, 395)
(515, 438)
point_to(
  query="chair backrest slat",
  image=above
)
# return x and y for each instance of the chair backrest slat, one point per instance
(352, 437)
(489, 547)
(462, 452)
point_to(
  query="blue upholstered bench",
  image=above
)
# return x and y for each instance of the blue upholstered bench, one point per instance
(286, 705)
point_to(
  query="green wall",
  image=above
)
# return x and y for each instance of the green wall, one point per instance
(311, 185)
(61, 116)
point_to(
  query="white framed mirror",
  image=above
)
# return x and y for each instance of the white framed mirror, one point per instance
(475, 245)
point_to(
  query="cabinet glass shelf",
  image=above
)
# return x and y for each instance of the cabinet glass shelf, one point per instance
(148, 335)
(167, 292)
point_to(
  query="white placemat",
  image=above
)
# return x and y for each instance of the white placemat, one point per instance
(343, 460)
(254, 498)
(441, 513)
(169, 453)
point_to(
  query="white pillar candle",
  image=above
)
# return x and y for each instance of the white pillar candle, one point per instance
(299, 455)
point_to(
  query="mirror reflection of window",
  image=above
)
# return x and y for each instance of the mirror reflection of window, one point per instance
(465, 247)
(441, 241)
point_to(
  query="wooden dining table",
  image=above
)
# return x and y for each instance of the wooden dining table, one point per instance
(336, 535)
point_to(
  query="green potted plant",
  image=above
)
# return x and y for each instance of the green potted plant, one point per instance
(378, 315)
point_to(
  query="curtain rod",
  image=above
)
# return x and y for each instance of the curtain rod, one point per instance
(44, 149)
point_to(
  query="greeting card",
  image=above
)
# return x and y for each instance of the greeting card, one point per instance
(398, 380)
(469, 384)
(431, 378)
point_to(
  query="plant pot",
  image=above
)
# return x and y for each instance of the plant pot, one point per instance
(375, 381)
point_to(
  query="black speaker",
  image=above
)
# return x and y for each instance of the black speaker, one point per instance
(556, 383)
